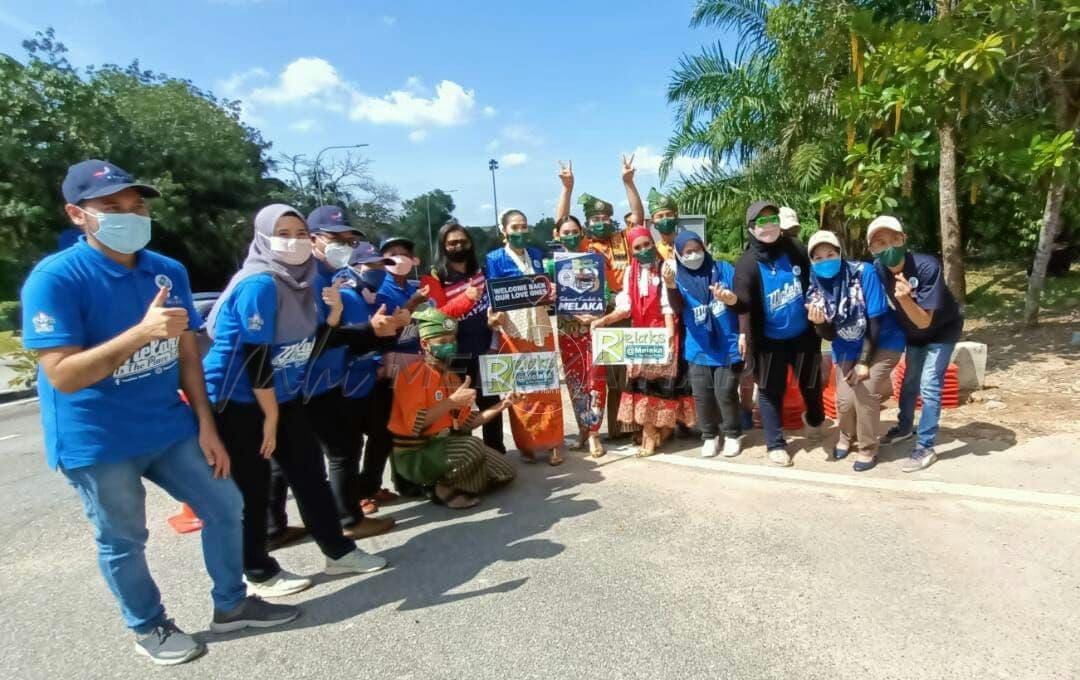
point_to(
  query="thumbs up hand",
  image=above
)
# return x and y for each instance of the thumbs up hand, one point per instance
(161, 322)
(903, 286)
(464, 396)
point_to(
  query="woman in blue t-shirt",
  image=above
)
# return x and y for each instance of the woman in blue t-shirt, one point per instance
(847, 306)
(265, 329)
(710, 342)
(770, 278)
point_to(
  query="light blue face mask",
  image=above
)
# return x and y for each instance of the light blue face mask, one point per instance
(123, 232)
(826, 269)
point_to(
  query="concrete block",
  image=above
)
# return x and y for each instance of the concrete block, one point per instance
(970, 360)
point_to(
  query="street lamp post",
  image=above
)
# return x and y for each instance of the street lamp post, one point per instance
(493, 165)
(430, 243)
(318, 183)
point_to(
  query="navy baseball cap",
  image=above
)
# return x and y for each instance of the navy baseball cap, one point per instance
(397, 240)
(366, 253)
(94, 179)
(330, 218)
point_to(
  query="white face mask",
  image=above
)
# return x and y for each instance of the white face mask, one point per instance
(338, 254)
(693, 260)
(290, 250)
(402, 265)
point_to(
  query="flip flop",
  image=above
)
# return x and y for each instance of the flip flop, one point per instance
(555, 458)
(528, 457)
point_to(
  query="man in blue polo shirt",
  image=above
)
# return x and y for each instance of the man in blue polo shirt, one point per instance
(932, 323)
(114, 327)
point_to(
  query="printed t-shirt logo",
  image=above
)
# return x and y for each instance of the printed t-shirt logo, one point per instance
(154, 358)
(43, 323)
(255, 322)
(295, 354)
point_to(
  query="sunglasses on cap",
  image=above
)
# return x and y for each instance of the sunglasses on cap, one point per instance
(766, 220)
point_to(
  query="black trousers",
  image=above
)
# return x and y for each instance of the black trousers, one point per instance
(716, 399)
(803, 355)
(340, 424)
(297, 454)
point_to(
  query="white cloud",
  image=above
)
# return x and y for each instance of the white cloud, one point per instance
(522, 133)
(306, 125)
(492, 145)
(389, 20)
(646, 160)
(301, 79)
(484, 207)
(417, 136)
(451, 105)
(231, 86)
(512, 159)
(490, 112)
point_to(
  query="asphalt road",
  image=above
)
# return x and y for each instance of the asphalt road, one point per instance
(622, 569)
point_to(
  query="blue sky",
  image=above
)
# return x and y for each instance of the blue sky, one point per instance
(436, 88)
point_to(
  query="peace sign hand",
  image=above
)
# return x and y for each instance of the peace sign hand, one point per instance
(628, 168)
(566, 174)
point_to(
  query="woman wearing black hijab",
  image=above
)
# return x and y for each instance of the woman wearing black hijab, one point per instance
(771, 278)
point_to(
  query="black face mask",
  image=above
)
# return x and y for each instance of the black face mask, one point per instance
(459, 255)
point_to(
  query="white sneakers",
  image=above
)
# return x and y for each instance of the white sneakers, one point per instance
(284, 583)
(780, 457)
(708, 449)
(356, 562)
(732, 446)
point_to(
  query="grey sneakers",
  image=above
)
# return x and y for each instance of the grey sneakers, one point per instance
(167, 645)
(253, 613)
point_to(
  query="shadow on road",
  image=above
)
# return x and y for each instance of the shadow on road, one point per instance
(433, 566)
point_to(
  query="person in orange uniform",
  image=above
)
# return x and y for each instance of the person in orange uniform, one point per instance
(432, 417)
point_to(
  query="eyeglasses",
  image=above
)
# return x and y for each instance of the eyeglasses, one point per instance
(766, 220)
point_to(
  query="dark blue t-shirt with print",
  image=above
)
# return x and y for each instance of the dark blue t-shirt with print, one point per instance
(783, 300)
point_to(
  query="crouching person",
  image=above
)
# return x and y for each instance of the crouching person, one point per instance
(431, 419)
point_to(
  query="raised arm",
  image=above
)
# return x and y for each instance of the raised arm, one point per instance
(566, 176)
(632, 195)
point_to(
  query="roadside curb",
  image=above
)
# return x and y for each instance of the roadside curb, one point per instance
(16, 395)
(1060, 501)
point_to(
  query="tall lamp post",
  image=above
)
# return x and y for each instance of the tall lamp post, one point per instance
(318, 183)
(493, 165)
(430, 243)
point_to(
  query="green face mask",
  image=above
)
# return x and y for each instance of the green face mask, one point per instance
(890, 257)
(599, 229)
(571, 242)
(443, 352)
(517, 239)
(668, 225)
(647, 256)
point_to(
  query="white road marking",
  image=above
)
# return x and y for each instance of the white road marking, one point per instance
(928, 487)
(8, 436)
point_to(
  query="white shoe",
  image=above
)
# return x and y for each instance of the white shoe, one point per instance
(812, 433)
(356, 562)
(708, 449)
(280, 585)
(732, 446)
(780, 457)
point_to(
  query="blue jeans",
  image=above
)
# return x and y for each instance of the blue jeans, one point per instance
(924, 377)
(114, 500)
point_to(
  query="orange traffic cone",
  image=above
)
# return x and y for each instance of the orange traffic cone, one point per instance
(185, 521)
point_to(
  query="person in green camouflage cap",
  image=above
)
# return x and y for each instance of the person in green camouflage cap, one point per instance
(432, 416)
(664, 212)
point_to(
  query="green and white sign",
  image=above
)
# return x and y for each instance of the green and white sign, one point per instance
(621, 346)
(506, 373)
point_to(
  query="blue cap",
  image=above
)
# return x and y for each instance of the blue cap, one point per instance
(365, 253)
(94, 179)
(397, 240)
(330, 218)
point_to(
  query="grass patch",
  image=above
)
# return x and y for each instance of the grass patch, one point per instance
(996, 292)
(9, 343)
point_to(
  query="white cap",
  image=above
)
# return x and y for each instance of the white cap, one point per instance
(822, 236)
(788, 219)
(883, 222)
